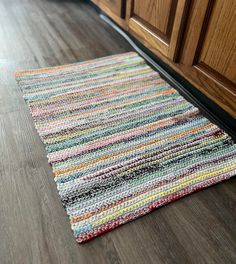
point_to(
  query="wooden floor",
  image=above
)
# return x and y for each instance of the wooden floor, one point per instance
(34, 227)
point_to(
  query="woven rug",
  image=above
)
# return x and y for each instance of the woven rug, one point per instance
(121, 141)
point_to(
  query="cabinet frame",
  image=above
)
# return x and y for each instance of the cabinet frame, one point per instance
(153, 40)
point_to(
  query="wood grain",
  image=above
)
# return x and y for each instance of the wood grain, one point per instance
(218, 50)
(158, 32)
(155, 12)
(116, 9)
(115, 6)
(208, 52)
(34, 226)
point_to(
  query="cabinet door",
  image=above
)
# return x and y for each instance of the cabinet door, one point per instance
(116, 7)
(209, 52)
(157, 23)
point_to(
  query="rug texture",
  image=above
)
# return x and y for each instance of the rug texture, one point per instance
(121, 140)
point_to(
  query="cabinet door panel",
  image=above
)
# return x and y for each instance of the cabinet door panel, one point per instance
(156, 14)
(158, 23)
(209, 51)
(218, 51)
(116, 7)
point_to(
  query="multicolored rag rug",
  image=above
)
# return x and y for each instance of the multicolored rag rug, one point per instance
(121, 140)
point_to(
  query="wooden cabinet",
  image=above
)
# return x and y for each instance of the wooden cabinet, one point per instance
(208, 53)
(158, 23)
(113, 8)
(197, 38)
